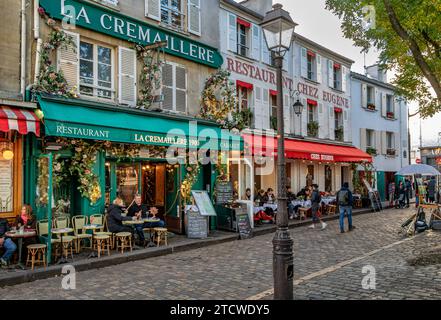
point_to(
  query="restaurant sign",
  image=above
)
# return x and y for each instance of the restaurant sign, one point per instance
(322, 157)
(330, 97)
(115, 24)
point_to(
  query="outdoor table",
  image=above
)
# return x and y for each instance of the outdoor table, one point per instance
(270, 205)
(133, 222)
(92, 227)
(61, 232)
(329, 200)
(20, 236)
(257, 209)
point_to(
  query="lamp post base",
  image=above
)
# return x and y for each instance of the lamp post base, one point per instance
(283, 265)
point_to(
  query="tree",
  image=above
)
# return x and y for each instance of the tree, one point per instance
(407, 33)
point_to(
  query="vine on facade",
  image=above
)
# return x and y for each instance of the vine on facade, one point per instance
(192, 169)
(49, 80)
(150, 77)
(367, 173)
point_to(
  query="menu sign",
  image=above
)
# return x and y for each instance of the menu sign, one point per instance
(224, 192)
(204, 203)
(6, 170)
(244, 225)
(197, 225)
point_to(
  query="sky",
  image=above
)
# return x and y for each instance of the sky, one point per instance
(321, 26)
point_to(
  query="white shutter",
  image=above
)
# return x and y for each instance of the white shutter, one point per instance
(397, 143)
(331, 123)
(363, 95)
(167, 86)
(304, 118)
(344, 76)
(330, 73)
(396, 108)
(256, 42)
(319, 69)
(378, 143)
(69, 61)
(363, 139)
(266, 58)
(257, 112)
(346, 129)
(232, 32)
(304, 63)
(377, 98)
(321, 121)
(384, 104)
(286, 113)
(127, 76)
(265, 109)
(153, 9)
(181, 89)
(383, 142)
(194, 17)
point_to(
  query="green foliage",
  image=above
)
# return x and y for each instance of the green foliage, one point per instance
(339, 134)
(371, 151)
(408, 36)
(313, 128)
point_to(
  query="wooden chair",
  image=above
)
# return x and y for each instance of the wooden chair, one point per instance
(303, 212)
(123, 240)
(358, 203)
(36, 251)
(101, 242)
(331, 209)
(97, 219)
(43, 231)
(78, 223)
(69, 241)
(105, 230)
(161, 235)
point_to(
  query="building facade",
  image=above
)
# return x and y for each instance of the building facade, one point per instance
(380, 125)
(431, 156)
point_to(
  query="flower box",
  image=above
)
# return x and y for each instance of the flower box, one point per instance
(390, 115)
(371, 151)
(391, 152)
(371, 106)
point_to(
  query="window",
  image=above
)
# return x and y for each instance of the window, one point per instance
(174, 81)
(370, 95)
(337, 74)
(242, 40)
(244, 97)
(390, 105)
(6, 178)
(311, 113)
(390, 140)
(171, 13)
(338, 122)
(311, 67)
(370, 138)
(96, 76)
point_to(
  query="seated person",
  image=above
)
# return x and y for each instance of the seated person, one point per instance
(269, 196)
(6, 243)
(27, 220)
(260, 198)
(302, 193)
(291, 208)
(115, 218)
(247, 195)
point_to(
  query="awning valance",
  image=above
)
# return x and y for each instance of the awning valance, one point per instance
(244, 84)
(273, 92)
(311, 102)
(21, 120)
(87, 120)
(305, 150)
(244, 23)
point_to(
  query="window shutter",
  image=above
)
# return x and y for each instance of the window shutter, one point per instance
(265, 109)
(319, 69)
(181, 89)
(194, 17)
(266, 57)
(167, 89)
(304, 118)
(397, 144)
(330, 73)
(256, 43)
(331, 123)
(257, 113)
(363, 139)
(153, 9)
(383, 142)
(321, 120)
(286, 113)
(69, 61)
(346, 128)
(304, 63)
(396, 108)
(383, 104)
(127, 76)
(344, 76)
(378, 143)
(232, 32)
(363, 95)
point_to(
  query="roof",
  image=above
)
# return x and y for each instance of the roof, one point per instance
(364, 78)
(244, 9)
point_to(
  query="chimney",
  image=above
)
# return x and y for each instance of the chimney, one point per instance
(259, 6)
(375, 72)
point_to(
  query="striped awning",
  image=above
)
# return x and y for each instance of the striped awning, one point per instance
(21, 120)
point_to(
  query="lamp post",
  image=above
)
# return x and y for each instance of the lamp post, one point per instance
(278, 29)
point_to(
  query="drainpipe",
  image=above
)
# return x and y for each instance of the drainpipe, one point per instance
(23, 49)
(37, 37)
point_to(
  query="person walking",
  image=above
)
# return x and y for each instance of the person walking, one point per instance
(344, 200)
(316, 200)
(391, 194)
(431, 189)
(408, 191)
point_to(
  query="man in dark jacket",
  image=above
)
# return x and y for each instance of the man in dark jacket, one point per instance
(408, 191)
(115, 218)
(316, 200)
(431, 189)
(344, 201)
(6, 243)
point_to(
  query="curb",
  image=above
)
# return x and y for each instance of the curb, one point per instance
(115, 259)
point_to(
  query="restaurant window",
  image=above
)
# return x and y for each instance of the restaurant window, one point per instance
(244, 97)
(174, 81)
(310, 175)
(311, 66)
(96, 78)
(172, 14)
(243, 39)
(337, 76)
(370, 95)
(389, 104)
(127, 182)
(6, 177)
(369, 138)
(312, 110)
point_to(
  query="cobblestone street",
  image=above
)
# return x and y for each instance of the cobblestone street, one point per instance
(328, 265)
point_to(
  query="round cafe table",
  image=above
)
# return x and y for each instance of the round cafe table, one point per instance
(133, 222)
(61, 232)
(20, 236)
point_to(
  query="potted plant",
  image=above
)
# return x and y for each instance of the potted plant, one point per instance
(390, 115)
(273, 121)
(339, 134)
(313, 128)
(371, 106)
(391, 152)
(371, 151)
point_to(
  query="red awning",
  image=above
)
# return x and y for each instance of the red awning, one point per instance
(337, 65)
(244, 23)
(305, 150)
(244, 85)
(311, 53)
(21, 120)
(311, 102)
(273, 92)
(338, 110)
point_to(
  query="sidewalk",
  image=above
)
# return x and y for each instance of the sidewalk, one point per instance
(178, 243)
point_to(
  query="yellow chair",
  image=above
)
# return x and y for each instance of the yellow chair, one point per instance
(331, 209)
(43, 231)
(105, 230)
(68, 240)
(123, 240)
(358, 203)
(78, 223)
(36, 251)
(161, 235)
(101, 242)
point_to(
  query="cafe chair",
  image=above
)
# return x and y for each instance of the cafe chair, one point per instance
(36, 254)
(331, 209)
(161, 235)
(123, 240)
(43, 231)
(105, 230)
(78, 223)
(358, 203)
(303, 212)
(102, 242)
(68, 240)
(97, 219)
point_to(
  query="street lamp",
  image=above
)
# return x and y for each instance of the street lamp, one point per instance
(278, 29)
(297, 106)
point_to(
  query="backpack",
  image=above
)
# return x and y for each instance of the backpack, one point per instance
(343, 198)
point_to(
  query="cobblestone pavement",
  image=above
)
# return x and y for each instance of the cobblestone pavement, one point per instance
(327, 265)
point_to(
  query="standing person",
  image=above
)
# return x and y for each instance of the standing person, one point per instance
(391, 194)
(316, 200)
(401, 194)
(344, 200)
(431, 189)
(408, 189)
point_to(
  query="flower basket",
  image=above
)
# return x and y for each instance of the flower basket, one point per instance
(313, 128)
(339, 134)
(371, 107)
(371, 151)
(390, 115)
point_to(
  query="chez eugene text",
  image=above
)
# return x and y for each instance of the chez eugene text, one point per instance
(221, 309)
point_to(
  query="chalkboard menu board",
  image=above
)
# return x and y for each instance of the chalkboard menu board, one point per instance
(244, 226)
(204, 203)
(224, 192)
(196, 225)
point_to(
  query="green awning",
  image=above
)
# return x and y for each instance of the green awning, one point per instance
(88, 120)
